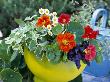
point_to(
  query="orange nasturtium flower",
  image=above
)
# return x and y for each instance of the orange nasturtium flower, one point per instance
(44, 20)
(66, 41)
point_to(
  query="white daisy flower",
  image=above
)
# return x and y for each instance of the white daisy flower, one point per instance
(46, 11)
(55, 19)
(1, 35)
(50, 33)
(41, 11)
(54, 13)
(49, 27)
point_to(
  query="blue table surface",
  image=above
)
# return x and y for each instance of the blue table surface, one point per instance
(90, 78)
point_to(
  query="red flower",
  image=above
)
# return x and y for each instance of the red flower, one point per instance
(64, 18)
(66, 41)
(44, 20)
(89, 33)
(90, 52)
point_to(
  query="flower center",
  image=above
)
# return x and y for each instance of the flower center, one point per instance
(47, 12)
(41, 11)
(65, 42)
(44, 22)
(87, 51)
(64, 20)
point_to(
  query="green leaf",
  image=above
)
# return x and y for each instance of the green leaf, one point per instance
(57, 59)
(4, 54)
(38, 51)
(58, 53)
(65, 57)
(22, 63)
(95, 42)
(20, 22)
(99, 58)
(2, 64)
(77, 29)
(39, 29)
(16, 61)
(51, 56)
(14, 55)
(35, 17)
(31, 18)
(57, 29)
(8, 75)
(53, 53)
(32, 45)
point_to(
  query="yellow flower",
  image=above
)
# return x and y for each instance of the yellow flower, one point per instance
(41, 11)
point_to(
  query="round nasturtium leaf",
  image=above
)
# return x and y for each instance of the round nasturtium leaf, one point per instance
(8, 75)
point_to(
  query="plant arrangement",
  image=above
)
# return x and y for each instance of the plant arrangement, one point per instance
(57, 38)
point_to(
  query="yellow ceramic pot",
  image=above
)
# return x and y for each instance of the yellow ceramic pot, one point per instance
(44, 71)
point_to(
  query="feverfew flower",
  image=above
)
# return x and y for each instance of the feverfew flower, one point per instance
(50, 33)
(41, 11)
(49, 27)
(55, 20)
(46, 11)
(54, 13)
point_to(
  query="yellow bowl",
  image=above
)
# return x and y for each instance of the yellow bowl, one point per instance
(44, 71)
